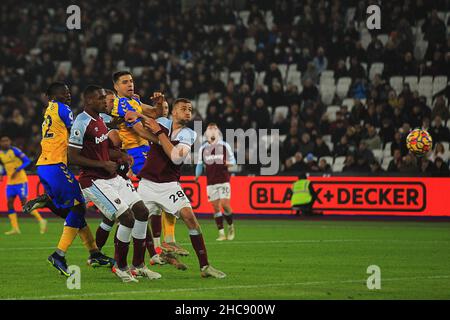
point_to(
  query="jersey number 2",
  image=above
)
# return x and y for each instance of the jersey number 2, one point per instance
(48, 123)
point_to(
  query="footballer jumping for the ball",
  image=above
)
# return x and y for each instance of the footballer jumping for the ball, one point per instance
(160, 188)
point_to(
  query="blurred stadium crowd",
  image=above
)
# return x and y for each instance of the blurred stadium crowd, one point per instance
(342, 97)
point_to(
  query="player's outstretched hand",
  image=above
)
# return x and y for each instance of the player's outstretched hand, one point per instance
(157, 98)
(110, 166)
(152, 125)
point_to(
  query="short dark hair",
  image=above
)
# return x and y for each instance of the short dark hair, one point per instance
(54, 87)
(116, 76)
(90, 89)
(212, 124)
(181, 100)
(109, 91)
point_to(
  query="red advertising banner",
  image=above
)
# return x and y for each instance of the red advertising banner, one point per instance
(336, 195)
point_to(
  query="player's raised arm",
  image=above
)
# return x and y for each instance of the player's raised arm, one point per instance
(157, 110)
(176, 153)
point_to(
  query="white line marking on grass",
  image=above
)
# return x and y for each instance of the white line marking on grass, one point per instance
(257, 242)
(258, 286)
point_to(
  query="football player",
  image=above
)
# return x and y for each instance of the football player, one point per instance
(15, 161)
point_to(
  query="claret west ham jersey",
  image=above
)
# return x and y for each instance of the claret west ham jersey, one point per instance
(159, 167)
(90, 134)
(215, 158)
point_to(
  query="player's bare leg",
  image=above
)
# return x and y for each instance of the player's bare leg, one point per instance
(139, 234)
(228, 215)
(42, 222)
(218, 217)
(12, 215)
(198, 243)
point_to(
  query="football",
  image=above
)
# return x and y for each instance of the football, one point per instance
(419, 142)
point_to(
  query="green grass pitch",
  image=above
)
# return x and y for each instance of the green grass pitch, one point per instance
(269, 259)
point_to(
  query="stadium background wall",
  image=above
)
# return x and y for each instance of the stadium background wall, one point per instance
(336, 195)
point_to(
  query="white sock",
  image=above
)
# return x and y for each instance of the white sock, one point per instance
(157, 242)
(124, 234)
(105, 227)
(221, 232)
(139, 229)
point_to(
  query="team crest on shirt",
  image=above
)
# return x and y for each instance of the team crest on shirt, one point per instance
(117, 201)
(96, 129)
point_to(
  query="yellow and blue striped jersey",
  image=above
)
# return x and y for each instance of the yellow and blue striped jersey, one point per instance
(14, 160)
(130, 139)
(58, 119)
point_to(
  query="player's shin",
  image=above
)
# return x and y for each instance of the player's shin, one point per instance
(88, 239)
(156, 229)
(74, 221)
(122, 245)
(199, 246)
(102, 234)
(139, 234)
(168, 226)
(149, 243)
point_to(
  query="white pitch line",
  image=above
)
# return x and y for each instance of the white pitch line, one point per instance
(96, 294)
(257, 242)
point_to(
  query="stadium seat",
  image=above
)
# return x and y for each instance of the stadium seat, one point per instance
(283, 110)
(386, 161)
(326, 138)
(236, 76)
(331, 112)
(327, 74)
(90, 52)
(413, 82)
(202, 104)
(260, 77)
(330, 145)
(378, 154)
(224, 76)
(420, 49)
(329, 160)
(439, 84)
(327, 93)
(339, 160)
(283, 69)
(337, 167)
(137, 71)
(65, 67)
(343, 85)
(376, 68)
(250, 43)
(349, 102)
(116, 39)
(396, 83)
(387, 149)
(244, 16)
(383, 38)
(426, 89)
(295, 77)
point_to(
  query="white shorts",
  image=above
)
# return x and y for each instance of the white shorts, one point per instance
(168, 196)
(219, 191)
(112, 196)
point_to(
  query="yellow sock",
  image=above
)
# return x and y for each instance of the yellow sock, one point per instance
(69, 234)
(37, 215)
(168, 226)
(88, 239)
(13, 220)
